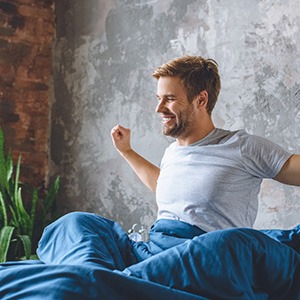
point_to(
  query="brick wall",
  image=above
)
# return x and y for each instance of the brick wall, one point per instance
(26, 36)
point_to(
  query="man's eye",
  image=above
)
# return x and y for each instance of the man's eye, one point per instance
(168, 99)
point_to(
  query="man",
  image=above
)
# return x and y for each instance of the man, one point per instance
(206, 191)
(209, 177)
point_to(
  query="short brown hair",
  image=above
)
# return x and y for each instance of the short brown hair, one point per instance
(197, 73)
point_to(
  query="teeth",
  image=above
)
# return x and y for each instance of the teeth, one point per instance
(166, 119)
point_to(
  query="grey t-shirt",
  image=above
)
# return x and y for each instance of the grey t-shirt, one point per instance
(214, 183)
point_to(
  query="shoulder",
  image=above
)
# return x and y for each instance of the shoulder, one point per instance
(222, 136)
(256, 142)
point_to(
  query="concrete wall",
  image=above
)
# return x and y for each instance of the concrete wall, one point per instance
(104, 55)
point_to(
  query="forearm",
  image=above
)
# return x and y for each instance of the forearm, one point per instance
(146, 171)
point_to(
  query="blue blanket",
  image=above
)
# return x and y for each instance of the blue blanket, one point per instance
(84, 256)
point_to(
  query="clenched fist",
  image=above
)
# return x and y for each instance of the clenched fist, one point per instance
(121, 138)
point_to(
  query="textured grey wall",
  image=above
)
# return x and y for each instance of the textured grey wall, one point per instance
(105, 52)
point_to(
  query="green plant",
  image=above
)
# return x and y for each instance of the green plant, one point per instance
(21, 222)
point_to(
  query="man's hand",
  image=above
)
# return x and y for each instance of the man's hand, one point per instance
(121, 138)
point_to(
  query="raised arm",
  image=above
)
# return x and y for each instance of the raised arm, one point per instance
(146, 171)
(290, 172)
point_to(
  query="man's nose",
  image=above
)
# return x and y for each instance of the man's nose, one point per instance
(160, 106)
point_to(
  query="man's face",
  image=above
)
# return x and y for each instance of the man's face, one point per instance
(173, 106)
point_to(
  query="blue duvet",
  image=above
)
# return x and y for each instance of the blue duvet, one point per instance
(84, 256)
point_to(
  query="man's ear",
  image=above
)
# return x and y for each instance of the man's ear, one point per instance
(202, 99)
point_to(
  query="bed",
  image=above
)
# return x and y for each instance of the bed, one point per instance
(227, 264)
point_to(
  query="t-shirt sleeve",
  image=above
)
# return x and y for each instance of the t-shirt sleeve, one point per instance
(261, 157)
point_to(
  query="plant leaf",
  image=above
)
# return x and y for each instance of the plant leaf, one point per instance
(9, 167)
(5, 239)
(21, 228)
(26, 242)
(24, 218)
(32, 257)
(33, 209)
(16, 183)
(4, 212)
(14, 220)
(51, 195)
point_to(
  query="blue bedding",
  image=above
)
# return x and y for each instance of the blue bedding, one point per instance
(36, 281)
(84, 256)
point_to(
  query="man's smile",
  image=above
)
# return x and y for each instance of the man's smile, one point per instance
(167, 118)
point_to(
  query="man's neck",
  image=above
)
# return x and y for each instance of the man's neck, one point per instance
(196, 136)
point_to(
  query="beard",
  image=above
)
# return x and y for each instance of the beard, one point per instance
(183, 124)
